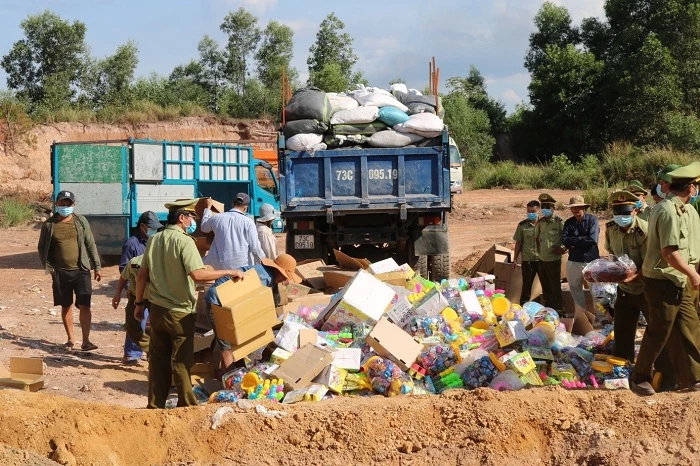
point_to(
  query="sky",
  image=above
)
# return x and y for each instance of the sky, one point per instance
(391, 39)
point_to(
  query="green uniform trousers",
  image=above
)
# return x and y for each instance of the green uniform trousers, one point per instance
(133, 326)
(171, 356)
(529, 269)
(550, 278)
(670, 307)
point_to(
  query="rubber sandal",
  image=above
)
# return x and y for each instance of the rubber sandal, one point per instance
(88, 347)
(68, 345)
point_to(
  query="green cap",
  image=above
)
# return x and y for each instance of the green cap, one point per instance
(546, 199)
(635, 189)
(622, 198)
(687, 174)
(664, 172)
(184, 204)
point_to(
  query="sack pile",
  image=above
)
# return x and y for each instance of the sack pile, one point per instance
(366, 116)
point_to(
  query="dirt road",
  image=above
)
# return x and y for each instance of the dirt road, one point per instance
(87, 404)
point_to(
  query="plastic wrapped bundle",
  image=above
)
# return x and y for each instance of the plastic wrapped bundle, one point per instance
(387, 378)
(610, 271)
(309, 103)
(437, 359)
(480, 373)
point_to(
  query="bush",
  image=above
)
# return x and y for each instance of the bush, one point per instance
(14, 211)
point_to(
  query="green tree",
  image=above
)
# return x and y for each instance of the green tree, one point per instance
(116, 76)
(473, 87)
(274, 54)
(469, 127)
(211, 73)
(243, 33)
(552, 27)
(332, 47)
(43, 66)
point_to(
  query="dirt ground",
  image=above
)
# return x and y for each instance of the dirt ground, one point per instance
(88, 412)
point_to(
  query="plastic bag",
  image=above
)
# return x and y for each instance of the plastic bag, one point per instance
(506, 381)
(392, 116)
(355, 116)
(309, 103)
(218, 416)
(613, 270)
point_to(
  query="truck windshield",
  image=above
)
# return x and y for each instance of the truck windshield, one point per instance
(455, 158)
(265, 179)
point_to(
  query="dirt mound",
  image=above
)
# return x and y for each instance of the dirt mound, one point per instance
(15, 457)
(544, 426)
(463, 267)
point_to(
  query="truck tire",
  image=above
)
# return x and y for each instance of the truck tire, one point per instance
(421, 267)
(440, 267)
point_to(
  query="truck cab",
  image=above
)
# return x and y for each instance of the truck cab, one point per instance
(456, 172)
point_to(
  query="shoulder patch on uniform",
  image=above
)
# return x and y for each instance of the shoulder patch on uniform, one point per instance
(639, 231)
(523, 222)
(558, 218)
(610, 224)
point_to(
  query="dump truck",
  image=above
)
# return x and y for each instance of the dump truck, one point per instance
(116, 181)
(371, 202)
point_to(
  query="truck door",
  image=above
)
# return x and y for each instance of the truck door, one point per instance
(98, 175)
(267, 191)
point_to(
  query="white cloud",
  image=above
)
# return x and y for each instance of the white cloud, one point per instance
(257, 6)
(510, 98)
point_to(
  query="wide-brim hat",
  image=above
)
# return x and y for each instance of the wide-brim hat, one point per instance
(577, 201)
(286, 265)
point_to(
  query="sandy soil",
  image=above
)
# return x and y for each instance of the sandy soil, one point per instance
(87, 414)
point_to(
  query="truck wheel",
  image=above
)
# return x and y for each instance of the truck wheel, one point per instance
(440, 267)
(421, 267)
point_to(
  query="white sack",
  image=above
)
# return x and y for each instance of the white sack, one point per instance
(421, 123)
(401, 87)
(389, 138)
(341, 102)
(306, 142)
(379, 99)
(359, 115)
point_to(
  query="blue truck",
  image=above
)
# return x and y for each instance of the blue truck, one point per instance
(116, 181)
(372, 203)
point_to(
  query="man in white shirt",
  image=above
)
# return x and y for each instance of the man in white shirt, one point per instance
(236, 241)
(265, 234)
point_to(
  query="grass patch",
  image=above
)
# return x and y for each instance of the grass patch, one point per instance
(14, 211)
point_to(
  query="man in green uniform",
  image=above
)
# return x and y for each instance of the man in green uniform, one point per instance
(670, 282)
(550, 247)
(525, 244)
(170, 265)
(643, 209)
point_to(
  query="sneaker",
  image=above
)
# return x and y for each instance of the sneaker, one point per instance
(695, 387)
(642, 388)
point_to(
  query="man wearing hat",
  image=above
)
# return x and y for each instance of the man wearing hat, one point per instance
(136, 339)
(580, 236)
(525, 244)
(548, 236)
(643, 209)
(68, 252)
(268, 243)
(170, 266)
(671, 282)
(664, 180)
(236, 242)
(271, 272)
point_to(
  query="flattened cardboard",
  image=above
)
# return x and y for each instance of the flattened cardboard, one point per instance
(347, 358)
(308, 335)
(487, 262)
(308, 271)
(390, 341)
(25, 374)
(303, 366)
(332, 377)
(247, 309)
(241, 351)
(568, 301)
(336, 277)
(511, 280)
(350, 263)
(385, 266)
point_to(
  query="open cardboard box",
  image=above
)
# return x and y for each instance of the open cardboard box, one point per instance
(247, 309)
(511, 280)
(303, 366)
(390, 341)
(309, 272)
(24, 373)
(316, 299)
(336, 277)
(487, 262)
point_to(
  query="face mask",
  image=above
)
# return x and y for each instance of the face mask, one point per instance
(64, 211)
(661, 194)
(639, 204)
(151, 231)
(694, 198)
(623, 220)
(192, 227)
(532, 216)
(546, 212)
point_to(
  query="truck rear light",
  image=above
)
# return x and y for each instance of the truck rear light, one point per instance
(304, 225)
(429, 220)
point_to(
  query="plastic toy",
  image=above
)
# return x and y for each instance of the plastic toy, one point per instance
(232, 379)
(226, 396)
(387, 378)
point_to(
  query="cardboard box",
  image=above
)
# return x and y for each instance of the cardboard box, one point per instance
(386, 266)
(511, 280)
(217, 207)
(521, 363)
(509, 332)
(350, 263)
(303, 366)
(347, 358)
(203, 339)
(332, 377)
(25, 374)
(393, 278)
(244, 349)
(294, 291)
(288, 336)
(390, 341)
(316, 299)
(568, 301)
(247, 309)
(495, 254)
(308, 271)
(433, 305)
(336, 277)
(363, 300)
(401, 309)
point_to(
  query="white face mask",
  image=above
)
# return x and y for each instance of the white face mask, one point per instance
(661, 194)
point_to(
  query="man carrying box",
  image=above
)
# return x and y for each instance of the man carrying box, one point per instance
(170, 266)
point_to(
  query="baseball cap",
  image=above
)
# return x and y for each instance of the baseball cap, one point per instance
(267, 213)
(242, 198)
(150, 219)
(65, 195)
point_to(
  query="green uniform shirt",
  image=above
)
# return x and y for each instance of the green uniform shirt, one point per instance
(548, 233)
(694, 243)
(170, 257)
(645, 213)
(525, 235)
(131, 271)
(669, 225)
(632, 242)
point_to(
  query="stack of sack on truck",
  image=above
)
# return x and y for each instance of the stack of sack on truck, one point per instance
(364, 117)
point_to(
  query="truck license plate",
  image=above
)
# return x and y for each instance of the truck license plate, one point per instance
(303, 241)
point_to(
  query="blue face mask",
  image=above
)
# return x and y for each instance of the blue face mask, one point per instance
(532, 216)
(64, 211)
(623, 220)
(192, 227)
(694, 198)
(546, 212)
(151, 231)
(639, 204)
